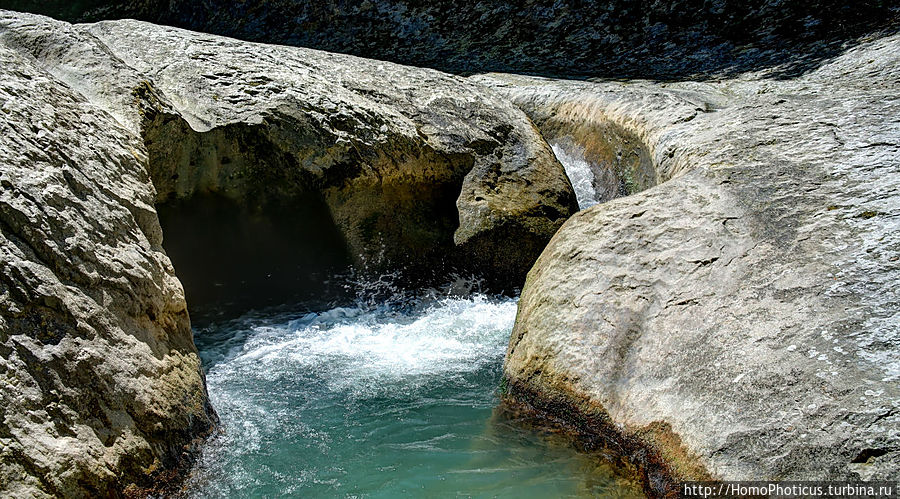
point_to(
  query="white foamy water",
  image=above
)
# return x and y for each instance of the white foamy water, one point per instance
(580, 174)
(360, 350)
(385, 401)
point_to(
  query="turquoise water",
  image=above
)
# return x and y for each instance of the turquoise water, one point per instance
(378, 401)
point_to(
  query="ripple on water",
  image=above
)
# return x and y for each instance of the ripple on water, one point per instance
(376, 402)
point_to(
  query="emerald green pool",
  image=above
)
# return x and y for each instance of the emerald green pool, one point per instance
(378, 401)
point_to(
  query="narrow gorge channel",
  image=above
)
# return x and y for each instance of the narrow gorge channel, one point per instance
(393, 392)
(379, 400)
(426, 249)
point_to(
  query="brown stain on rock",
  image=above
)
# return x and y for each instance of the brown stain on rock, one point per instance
(653, 454)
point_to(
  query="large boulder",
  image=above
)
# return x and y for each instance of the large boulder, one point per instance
(250, 152)
(100, 383)
(382, 166)
(739, 320)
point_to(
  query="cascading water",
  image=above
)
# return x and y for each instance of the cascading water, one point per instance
(390, 400)
(579, 172)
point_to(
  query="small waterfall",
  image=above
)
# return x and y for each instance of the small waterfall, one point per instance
(579, 172)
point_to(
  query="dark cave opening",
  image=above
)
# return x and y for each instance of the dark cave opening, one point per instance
(232, 258)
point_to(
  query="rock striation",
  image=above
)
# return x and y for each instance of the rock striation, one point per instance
(104, 124)
(739, 320)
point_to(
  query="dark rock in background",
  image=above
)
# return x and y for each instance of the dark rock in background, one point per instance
(617, 38)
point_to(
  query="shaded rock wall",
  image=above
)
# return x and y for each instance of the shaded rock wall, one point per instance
(232, 258)
(592, 38)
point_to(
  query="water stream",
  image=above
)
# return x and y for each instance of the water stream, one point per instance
(393, 396)
(390, 400)
(579, 172)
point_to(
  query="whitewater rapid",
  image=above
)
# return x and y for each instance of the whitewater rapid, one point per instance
(390, 400)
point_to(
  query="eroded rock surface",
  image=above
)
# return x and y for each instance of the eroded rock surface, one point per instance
(414, 168)
(101, 124)
(100, 383)
(741, 318)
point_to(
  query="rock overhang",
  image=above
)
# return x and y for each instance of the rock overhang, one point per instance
(410, 163)
(378, 154)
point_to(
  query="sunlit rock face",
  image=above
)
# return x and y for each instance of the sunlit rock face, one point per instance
(613, 38)
(100, 383)
(265, 163)
(739, 319)
(388, 166)
(729, 303)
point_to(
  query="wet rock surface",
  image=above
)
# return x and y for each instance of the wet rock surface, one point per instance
(740, 318)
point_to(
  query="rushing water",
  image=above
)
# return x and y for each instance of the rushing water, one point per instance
(579, 172)
(378, 401)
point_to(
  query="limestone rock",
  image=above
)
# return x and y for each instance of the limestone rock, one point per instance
(101, 125)
(740, 319)
(100, 383)
(414, 168)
